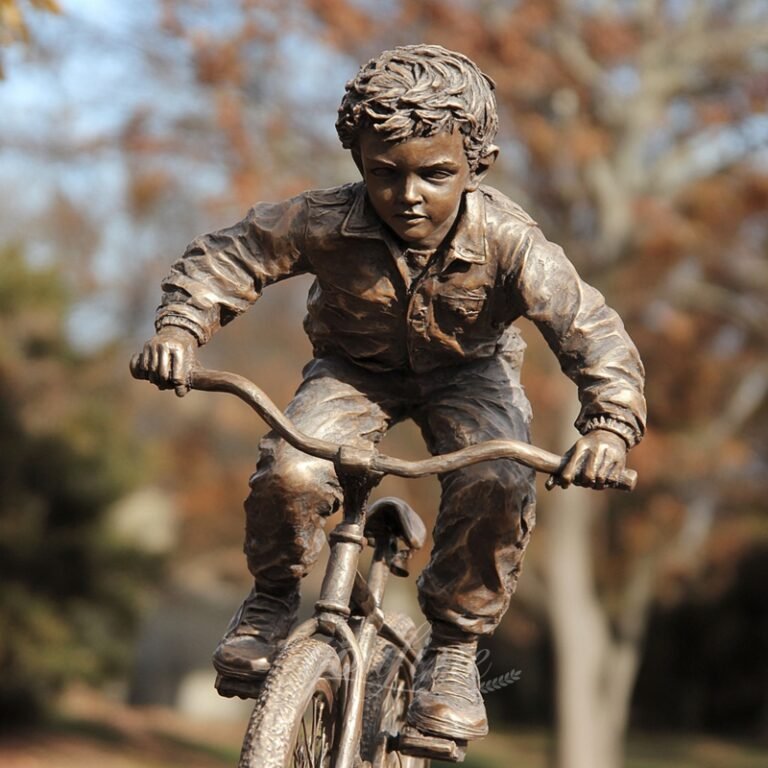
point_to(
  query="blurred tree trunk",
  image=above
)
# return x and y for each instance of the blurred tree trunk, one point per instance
(598, 650)
(596, 662)
(578, 631)
(599, 619)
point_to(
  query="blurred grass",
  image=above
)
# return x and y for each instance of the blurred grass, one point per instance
(92, 732)
(693, 751)
(534, 749)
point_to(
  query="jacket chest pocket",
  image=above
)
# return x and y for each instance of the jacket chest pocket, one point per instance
(459, 307)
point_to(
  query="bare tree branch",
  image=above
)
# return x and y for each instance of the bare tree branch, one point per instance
(570, 46)
(749, 312)
(748, 397)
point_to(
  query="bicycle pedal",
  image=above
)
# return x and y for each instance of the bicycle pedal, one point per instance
(416, 744)
(231, 687)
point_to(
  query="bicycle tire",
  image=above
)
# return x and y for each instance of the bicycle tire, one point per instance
(295, 721)
(388, 692)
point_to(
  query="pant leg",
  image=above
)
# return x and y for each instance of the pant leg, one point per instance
(291, 492)
(487, 510)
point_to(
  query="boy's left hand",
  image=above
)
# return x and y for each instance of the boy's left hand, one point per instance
(596, 460)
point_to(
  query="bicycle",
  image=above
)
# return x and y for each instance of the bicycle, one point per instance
(338, 691)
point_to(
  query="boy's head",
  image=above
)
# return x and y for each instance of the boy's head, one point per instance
(417, 91)
(420, 121)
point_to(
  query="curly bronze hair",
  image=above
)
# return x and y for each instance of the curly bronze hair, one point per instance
(418, 91)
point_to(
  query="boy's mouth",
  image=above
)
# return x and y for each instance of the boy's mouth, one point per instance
(410, 216)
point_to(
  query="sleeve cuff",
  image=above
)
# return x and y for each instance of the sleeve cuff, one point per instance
(620, 428)
(188, 325)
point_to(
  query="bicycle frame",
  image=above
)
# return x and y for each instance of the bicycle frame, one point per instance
(358, 471)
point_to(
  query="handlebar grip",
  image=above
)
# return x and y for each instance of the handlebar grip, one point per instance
(626, 482)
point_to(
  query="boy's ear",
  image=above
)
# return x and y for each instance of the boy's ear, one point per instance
(484, 165)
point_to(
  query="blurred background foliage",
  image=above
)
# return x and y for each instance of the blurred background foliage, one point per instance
(71, 592)
(634, 131)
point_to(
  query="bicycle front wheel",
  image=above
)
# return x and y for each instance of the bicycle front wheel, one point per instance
(295, 721)
(389, 690)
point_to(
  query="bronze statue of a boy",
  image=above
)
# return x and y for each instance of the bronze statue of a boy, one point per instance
(420, 271)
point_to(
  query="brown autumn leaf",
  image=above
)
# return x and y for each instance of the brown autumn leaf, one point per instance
(610, 39)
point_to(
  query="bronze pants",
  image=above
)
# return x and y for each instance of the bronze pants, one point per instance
(487, 511)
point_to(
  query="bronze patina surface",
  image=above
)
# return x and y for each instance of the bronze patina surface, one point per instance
(420, 272)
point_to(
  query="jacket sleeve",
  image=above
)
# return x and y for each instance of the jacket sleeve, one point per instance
(586, 335)
(222, 273)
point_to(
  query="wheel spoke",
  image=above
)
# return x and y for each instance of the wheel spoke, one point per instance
(323, 752)
(300, 751)
(318, 732)
(313, 741)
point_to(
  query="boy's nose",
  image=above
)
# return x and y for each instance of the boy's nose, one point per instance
(410, 192)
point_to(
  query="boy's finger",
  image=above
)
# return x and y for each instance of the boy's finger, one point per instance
(617, 470)
(164, 365)
(179, 367)
(146, 361)
(613, 476)
(152, 355)
(602, 469)
(590, 470)
(176, 367)
(138, 371)
(572, 468)
(179, 373)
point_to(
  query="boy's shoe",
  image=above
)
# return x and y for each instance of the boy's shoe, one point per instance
(447, 701)
(255, 634)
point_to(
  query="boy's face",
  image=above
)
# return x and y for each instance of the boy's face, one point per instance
(416, 186)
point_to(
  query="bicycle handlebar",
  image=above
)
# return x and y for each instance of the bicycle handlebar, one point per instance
(371, 460)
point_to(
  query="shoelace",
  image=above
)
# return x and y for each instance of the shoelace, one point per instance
(454, 668)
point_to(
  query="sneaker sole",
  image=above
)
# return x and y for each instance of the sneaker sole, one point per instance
(416, 744)
(444, 729)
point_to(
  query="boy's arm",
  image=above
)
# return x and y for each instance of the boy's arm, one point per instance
(594, 351)
(219, 276)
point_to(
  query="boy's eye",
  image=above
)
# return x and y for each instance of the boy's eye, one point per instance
(382, 172)
(438, 174)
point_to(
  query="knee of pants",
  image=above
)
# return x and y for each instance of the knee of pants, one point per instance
(294, 482)
(284, 518)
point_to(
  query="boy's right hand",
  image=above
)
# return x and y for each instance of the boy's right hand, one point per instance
(167, 359)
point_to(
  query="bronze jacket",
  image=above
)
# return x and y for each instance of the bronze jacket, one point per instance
(496, 266)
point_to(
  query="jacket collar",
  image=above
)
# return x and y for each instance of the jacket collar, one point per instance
(467, 244)
(361, 220)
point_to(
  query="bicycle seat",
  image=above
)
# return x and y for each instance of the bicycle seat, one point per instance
(391, 516)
